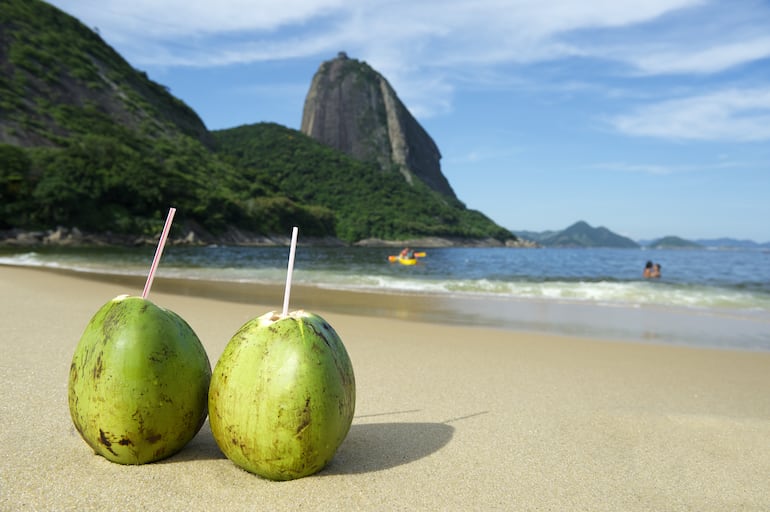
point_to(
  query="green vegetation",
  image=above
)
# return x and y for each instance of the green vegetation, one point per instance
(87, 141)
(367, 202)
(124, 185)
(581, 234)
(674, 242)
(57, 74)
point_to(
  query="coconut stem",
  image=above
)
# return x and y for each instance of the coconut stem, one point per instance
(292, 252)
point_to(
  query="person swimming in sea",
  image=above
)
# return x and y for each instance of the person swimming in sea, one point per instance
(651, 270)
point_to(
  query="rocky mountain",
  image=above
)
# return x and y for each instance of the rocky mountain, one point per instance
(580, 234)
(353, 108)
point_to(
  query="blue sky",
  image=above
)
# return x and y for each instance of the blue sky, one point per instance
(649, 117)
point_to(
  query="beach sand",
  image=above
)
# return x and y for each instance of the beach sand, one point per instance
(447, 418)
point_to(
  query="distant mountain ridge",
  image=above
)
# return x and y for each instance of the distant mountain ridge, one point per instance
(673, 242)
(732, 243)
(579, 234)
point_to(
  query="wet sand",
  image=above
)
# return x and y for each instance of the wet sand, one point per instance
(448, 417)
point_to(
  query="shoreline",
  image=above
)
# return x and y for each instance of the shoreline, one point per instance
(652, 324)
(194, 236)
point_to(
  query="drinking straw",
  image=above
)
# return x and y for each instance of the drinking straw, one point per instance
(292, 251)
(158, 252)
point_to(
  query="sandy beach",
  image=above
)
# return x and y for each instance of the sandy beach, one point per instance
(448, 417)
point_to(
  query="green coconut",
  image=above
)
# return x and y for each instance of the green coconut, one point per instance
(282, 395)
(138, 382)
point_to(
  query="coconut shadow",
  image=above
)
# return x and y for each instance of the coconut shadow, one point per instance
(201, 447)
(379, 446)
(367, 448)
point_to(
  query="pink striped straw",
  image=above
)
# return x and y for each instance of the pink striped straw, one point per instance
(290, 271)
(158, 252)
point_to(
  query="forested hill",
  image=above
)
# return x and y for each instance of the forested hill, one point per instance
(367, 202)
(580, 234)
(59, 79)
(88, 141)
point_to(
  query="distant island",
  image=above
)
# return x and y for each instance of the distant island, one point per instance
(732, 243)
(581, 234)
(673, 242)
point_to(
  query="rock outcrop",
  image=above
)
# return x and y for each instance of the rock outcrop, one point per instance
(352, 108)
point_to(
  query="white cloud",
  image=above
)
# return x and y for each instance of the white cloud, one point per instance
(441, 33)
(667, 169)
(428, 48)
(711, 59)
(741, 115)
(654, 169)
(483, 154)
(165, 20)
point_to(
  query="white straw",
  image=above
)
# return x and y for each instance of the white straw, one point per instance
(292, 251)
(158, 252)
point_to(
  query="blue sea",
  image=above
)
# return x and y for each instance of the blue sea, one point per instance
(710, 298)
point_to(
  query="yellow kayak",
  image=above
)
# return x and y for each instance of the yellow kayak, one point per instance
(406, 261)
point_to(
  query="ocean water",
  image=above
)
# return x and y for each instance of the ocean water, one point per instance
(714, 298)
